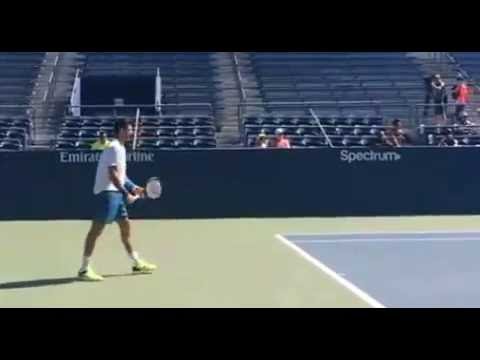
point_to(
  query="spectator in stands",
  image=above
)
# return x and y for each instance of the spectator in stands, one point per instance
(461, 95)
(463, 119)
(395, 136)
(449, 140)
(281, 141)
(102, 143)
(440, 99)
(428, 94)
(262, 141)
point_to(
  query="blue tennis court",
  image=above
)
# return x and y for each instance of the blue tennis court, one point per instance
(399, 270)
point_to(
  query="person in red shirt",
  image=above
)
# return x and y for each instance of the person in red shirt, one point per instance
(281, 141)
(461, 94)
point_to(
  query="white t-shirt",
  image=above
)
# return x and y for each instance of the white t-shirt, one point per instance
(115, 155)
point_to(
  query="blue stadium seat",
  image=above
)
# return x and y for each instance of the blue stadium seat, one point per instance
(204, 131)
(148, 133)
(204, 143)
(166, 144)
(65, 145)
(8, 145)
(185, 143)
(184, 132)
(166, 132)
(69, 134)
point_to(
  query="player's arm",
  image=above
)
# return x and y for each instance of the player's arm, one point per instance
(112, 158)
(133, 188)
(115, 179)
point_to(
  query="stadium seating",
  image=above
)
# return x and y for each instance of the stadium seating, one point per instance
(305, 131)
(186, 78)
(339, 77)
(14, 130)
(469, 62)
(18, 72)
(11, 145)
(154, 132)
(466, 135)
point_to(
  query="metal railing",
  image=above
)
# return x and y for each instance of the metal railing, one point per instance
(311, 109)
(238, 73)
(131, 109)
(329, 141)
(450, 111)
(52, 80)
(335, 107)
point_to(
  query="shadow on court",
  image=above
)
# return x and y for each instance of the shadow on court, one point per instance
(56, 282)
(112, 276)
(37, 283)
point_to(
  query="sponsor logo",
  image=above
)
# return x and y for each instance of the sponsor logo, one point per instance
(84, 157)
(369, 156)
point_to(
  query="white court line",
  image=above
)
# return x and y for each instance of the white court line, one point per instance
(342, 281)
(461, 232)
(386, 240)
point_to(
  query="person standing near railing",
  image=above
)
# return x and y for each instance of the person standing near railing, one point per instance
(440, 99)
(461, 95)
(428, 94)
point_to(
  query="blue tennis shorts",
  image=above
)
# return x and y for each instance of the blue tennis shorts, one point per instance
(110, 206)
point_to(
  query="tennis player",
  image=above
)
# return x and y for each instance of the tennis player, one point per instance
(113, 192)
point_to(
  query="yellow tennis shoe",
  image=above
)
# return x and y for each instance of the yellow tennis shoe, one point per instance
(143, 267)
(89, 275)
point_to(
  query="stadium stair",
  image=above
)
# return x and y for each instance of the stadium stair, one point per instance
(48, 112)
(228, 98)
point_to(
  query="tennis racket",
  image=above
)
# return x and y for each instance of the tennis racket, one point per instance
(153, 191)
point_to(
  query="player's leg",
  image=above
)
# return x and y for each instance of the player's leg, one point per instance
(139, 265)
(86, 272)
(94, 233)
(125, 235)
(105, 211)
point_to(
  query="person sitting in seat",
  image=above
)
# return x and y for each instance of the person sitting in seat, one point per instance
(395, 136)
(262, 141)
(449, 140)
(281, 141)
(463, 119)
(102, 143)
